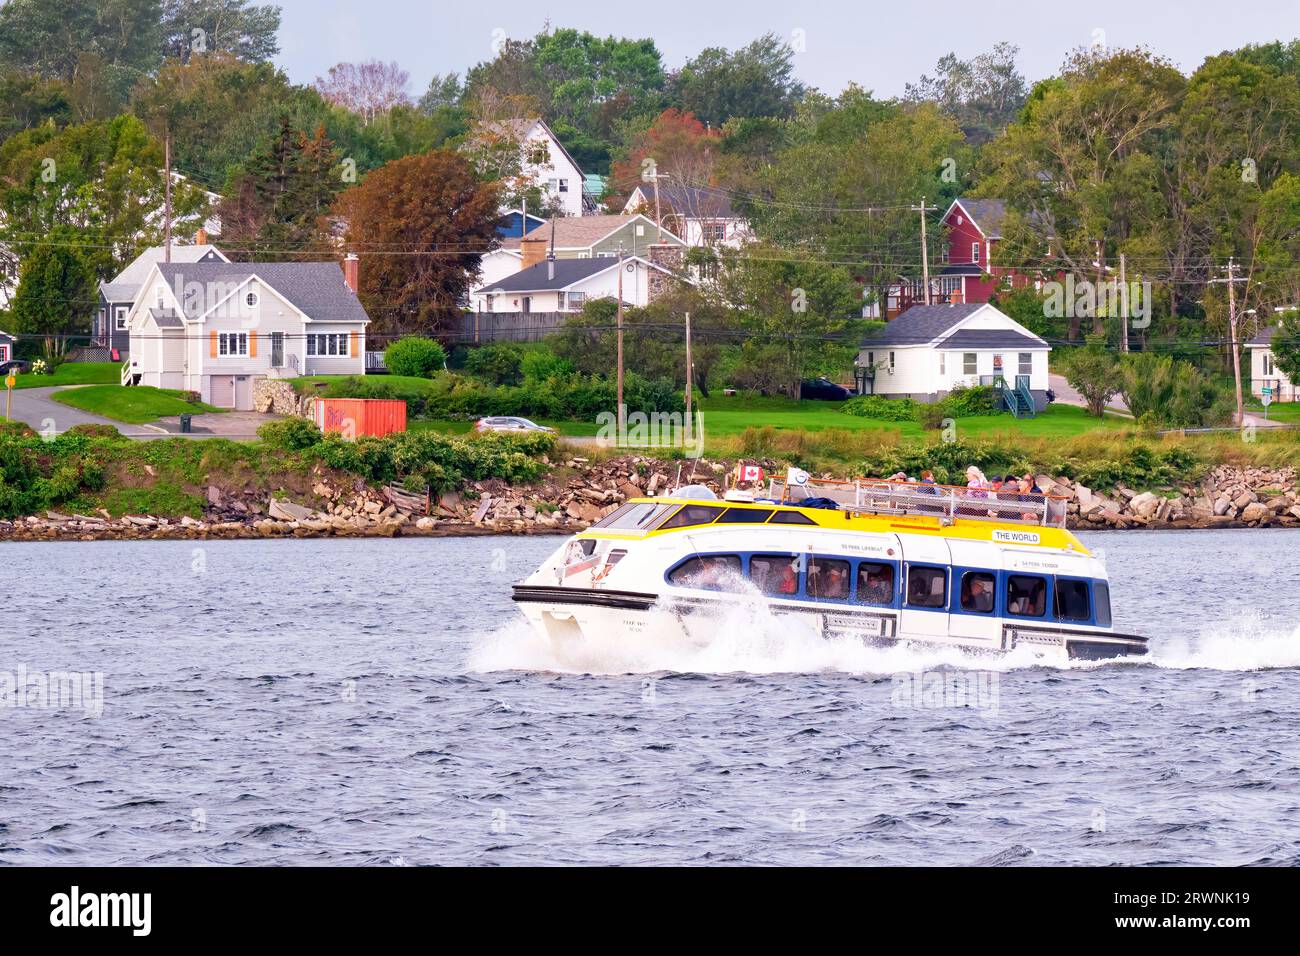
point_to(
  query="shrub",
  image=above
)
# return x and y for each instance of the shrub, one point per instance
(932, 417)
(881, 408)
(414, 355)
(94, 431)
(290, 434)
(541, 364)
(968, 401)
(1164, 391)
(499, 364)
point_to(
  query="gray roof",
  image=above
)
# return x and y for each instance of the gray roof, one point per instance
(987, 214)
(567, 272)
(316, 288)
(127, 283)
(167, 319)
(991, 339)
(924, 323)
(1264, 338)
(689, 202)
(6, 335)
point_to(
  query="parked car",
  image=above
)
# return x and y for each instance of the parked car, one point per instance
(823, 389)
(17, 366)
(509, 423)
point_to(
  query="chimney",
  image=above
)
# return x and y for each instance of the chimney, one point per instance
(201, 237)
(550, 258)
(533, 250)
(351, 270)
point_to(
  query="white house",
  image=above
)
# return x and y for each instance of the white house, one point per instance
(1264, 371)
(564, 285)
(217, 327)
(700, 215)
(543, 161)
(7, 342)
(930, 349)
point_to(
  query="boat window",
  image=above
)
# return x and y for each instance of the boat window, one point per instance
(1101, 597)
(828, 578)
(776, 573)
(1026, 595)
(791, 517)
(875, 583)
(633, 517)
(926, 586)
(744, 516)
(692, 514)
(1072, 600)
(978, 592)
(712, 572)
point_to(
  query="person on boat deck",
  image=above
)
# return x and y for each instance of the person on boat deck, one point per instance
(789, 582)
(977, 487)
(1030, 492)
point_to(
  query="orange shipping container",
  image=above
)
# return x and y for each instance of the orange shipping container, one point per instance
(353, 417)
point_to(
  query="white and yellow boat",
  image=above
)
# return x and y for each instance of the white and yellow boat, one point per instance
(880, 562)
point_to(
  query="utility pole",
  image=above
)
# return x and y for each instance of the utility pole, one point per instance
(690, 375)
(1233, 322)
(1098, 321)
(925, 249)
(1232, 327)
(167, 194)
(622, 422)
(1124, 301)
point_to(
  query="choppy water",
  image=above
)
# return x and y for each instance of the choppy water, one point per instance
(375, 701)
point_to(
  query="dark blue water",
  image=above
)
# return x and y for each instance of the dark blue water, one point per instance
(375, 702)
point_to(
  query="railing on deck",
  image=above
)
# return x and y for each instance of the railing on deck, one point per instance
(945, 502)
(125, 378)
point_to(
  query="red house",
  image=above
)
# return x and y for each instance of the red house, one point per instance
(963, 275)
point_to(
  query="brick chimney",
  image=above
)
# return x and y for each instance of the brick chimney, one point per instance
(533, 250)
(201, 237)
(351, 270)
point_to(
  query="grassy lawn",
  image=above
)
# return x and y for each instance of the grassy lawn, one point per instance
(1279, 411)
(75, 373)
(135, 405)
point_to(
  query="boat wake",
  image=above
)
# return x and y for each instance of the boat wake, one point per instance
(748, 639)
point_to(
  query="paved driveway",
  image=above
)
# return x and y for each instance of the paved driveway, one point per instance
(34, 407)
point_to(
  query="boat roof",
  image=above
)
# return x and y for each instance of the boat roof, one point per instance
(815, 519)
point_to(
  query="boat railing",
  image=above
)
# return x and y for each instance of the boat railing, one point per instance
(945, 502)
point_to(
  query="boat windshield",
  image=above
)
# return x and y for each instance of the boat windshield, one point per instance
(633, 517)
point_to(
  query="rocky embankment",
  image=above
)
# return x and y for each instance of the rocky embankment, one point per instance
(580, 492)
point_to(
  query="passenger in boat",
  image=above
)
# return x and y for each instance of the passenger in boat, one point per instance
(1030, 492)
(981, 596)
(976, 487)
(789, 582)
(877, 590)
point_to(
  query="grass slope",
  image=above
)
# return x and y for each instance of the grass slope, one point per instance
(74, 373)
(134, 406)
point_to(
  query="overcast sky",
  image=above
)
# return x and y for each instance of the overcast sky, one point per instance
(880, 46)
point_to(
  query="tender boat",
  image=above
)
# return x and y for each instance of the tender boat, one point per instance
(876, 561)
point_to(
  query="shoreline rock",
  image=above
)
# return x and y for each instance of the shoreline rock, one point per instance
(579, 493)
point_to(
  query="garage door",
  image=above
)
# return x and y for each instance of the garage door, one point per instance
(222, 390)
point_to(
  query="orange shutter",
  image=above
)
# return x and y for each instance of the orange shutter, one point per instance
(352, 339)
(252, 345)
(212, 344)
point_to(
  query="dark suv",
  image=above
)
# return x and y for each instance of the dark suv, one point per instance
(823, 389)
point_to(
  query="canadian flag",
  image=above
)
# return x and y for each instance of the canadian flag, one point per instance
(749, 473)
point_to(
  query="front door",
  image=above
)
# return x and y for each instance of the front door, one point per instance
(244, 392)
(277, 350)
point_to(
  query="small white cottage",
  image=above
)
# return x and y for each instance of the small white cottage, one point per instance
(930, 349)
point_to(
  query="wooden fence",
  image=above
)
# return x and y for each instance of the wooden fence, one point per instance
(487, 327)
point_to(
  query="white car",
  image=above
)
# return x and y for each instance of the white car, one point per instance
(509, 423)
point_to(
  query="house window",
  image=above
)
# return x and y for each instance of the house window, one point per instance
(975, 253)
(564, 185)
(943, 370)
(327, 343)
(251, 299)
(575, 301)
(1026, 363)
(552, 185)
(232, 343)
(969, 363)
(119, 317)
(1268, 363)
(713, 231)
(871, 359)
(891, 361)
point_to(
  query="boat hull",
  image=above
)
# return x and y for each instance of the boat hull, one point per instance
(567, 616)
